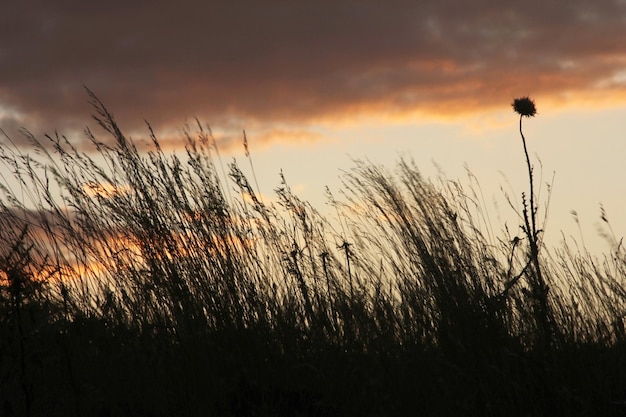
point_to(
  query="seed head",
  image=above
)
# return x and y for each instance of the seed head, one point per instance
(524, 106)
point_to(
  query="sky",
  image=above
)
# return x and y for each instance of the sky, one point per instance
(318, 84)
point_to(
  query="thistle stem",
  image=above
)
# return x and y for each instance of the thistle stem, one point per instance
(539, 286)
(530, 177)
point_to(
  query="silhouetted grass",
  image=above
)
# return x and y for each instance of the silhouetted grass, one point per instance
(144, 283)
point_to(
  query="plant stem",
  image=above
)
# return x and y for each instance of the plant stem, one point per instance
(539, 287)
(533, 230)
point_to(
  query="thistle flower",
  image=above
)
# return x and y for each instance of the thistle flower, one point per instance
(524, 106)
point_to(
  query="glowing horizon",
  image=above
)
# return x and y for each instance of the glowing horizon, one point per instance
(313, 83)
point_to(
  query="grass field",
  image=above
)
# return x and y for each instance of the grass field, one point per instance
(141, 283)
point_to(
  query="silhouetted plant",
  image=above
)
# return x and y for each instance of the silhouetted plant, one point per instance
(525, 107)
(14, 266)
(168, 294)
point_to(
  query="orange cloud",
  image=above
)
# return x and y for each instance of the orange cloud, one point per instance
(297, 63)
(104, 190)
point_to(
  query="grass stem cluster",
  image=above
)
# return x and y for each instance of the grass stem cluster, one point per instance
(146, 283)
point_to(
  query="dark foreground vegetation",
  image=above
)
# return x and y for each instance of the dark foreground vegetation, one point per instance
(144, 284)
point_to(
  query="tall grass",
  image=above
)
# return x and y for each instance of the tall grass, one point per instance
(145, 283)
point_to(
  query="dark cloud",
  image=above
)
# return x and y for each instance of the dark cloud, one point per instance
(289, 61)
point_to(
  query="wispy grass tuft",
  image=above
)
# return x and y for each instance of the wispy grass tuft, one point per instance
(146, 283)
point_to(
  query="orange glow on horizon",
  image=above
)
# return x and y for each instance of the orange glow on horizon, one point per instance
(104, 190)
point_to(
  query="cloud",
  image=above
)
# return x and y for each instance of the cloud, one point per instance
(278, 61)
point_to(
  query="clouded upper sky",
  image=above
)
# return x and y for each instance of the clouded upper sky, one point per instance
(291, 61)
(291, 70)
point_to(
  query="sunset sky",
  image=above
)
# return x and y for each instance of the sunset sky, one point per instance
(317, 83)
